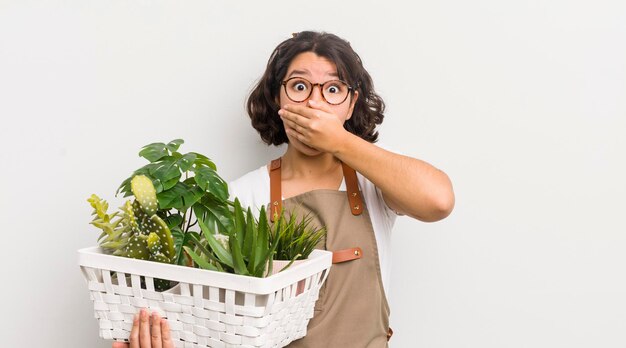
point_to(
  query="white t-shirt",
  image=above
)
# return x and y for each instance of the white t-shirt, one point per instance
(253, 190)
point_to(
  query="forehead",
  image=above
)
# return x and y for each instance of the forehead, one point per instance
(311, 65)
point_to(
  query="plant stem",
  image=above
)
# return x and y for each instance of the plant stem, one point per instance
(184, 217)
(188, 222)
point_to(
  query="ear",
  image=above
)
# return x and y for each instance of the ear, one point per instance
(355, 96)
(277, 100)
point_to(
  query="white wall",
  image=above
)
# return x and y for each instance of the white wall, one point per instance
(522, 103)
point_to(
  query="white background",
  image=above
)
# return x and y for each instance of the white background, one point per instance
(522, 103)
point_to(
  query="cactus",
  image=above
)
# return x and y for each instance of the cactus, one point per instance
(138, 232)
(145, 207)
(136, 248)
(144, 193)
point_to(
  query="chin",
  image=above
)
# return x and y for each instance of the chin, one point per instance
(311, 152)
(304, 149)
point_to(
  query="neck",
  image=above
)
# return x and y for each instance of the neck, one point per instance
(297, 164)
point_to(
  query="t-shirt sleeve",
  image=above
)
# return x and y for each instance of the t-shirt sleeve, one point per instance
(252, 190)
(378, 208)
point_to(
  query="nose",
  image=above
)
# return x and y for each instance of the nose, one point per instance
(316, 93)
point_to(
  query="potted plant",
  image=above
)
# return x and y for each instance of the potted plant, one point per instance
(293, 239)
(172, 193)
(254, 247)
(146, 246)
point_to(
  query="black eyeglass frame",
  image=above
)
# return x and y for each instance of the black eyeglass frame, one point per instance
(284, 84)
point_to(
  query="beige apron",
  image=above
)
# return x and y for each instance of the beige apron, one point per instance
(352, 310)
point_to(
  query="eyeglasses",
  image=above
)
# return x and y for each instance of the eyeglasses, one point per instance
(299, 89)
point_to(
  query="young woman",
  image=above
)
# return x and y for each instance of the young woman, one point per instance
(317, 97)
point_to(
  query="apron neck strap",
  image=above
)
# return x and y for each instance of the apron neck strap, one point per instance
(276, 201)
(352, 189)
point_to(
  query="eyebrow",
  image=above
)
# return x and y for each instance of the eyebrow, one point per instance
(306, 72)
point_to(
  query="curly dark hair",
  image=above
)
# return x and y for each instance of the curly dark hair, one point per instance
(263, 109)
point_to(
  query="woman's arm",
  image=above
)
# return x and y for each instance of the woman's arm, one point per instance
(409, 186)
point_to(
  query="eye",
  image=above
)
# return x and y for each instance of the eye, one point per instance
(298, 85)
(334, 89)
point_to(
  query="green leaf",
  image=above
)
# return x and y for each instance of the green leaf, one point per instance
(124, 187)
(179, 197)
(222, 254)
(182, 239)
(267, 257)
(198, 260)
(199, 211)
(186, 162)
(262, 244)
(239, 221)
(173, 220)
(210, 181)
(175, 144)
(239, 264)
(165, 170)
(169, 184)
(154, 152)
(203, 249)
(202, 160)
(217, 213)
(250, 235)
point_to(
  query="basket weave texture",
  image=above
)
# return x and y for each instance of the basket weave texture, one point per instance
(205, 308)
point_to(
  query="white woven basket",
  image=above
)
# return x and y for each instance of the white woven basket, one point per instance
(206, 308)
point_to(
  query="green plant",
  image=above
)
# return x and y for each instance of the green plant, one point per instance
(245, 250)
(137, 232)
(294, 238)
(175, 192)
(188, 189)
(172, 193)
(253, 244)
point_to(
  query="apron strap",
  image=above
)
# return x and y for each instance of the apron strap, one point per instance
(276, 201)
(344, 255)
(352, 189)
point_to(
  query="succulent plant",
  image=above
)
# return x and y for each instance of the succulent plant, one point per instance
(248, 251)
(138, 232)
(294, 238)
(113, 226)
(254, 244)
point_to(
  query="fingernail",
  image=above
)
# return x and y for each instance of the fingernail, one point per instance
(280, 112)
(286, 107)
(311, 102)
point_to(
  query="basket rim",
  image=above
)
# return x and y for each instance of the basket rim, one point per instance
(318, 261)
